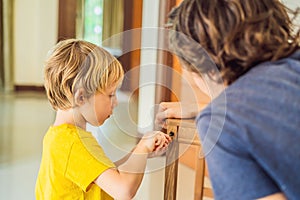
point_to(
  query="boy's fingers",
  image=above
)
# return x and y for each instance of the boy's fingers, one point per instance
(168, 137)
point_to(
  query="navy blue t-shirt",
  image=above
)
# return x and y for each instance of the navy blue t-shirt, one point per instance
(251, 133)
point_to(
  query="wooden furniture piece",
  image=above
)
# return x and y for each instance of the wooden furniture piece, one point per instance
(185, 135)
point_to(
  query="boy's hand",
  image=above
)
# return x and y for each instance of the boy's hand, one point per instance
(154, 143)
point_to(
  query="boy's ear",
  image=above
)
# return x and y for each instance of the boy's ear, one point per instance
(79, 97)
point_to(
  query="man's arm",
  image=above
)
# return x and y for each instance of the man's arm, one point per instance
(276, 196)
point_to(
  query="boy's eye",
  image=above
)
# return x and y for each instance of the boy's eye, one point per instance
(112, 95)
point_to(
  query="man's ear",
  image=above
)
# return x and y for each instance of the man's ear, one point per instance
(79, 97)
(207, 85)
(200, 82)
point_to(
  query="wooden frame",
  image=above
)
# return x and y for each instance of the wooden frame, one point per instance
(184, 132)
(164, 58)
(66, 19)
(1, 47)
(171, 165)
(7, 42)
(131, 40)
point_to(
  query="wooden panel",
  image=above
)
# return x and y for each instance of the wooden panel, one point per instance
(1, 47)
(185, 134)
(186, 123)
(207, 187)
(188, 158)
(176, 79)
(191, 159)
(188, 136)
(171, 166)
(7, 42)
(199, 181)
(164, 89)
(131, 43)
(66, 19)
(208, 193)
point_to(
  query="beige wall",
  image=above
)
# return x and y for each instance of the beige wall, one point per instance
(35, 32)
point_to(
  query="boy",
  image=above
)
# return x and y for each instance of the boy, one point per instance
(81, 80)
(250, 131)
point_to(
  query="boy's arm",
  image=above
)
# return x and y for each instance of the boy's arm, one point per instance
(124, 159)
(123, 183)
(152, 154)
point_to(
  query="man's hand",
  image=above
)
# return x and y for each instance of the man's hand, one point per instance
(176, 110)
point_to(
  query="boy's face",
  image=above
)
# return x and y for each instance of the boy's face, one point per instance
(100, 106)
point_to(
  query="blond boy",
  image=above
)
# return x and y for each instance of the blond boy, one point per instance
(81, 81)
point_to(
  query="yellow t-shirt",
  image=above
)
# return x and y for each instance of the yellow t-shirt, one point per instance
(72, 159)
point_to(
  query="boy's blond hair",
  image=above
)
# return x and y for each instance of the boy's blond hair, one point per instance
(75, 64)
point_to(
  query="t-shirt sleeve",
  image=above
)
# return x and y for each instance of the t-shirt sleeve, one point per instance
(86, 162)
(233, 171)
